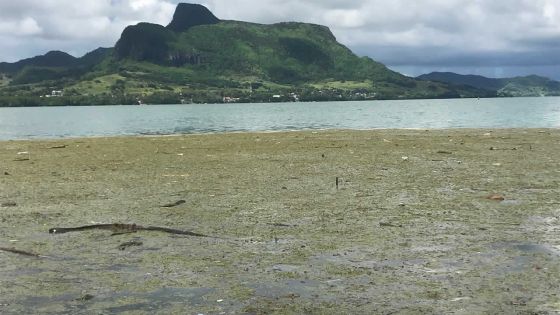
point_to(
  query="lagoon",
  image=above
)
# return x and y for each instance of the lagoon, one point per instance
(94, 121)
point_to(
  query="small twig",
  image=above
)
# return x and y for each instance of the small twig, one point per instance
(163, 152)
(63, 146)
(174, 204)
(502, 223)
(386, 224)
(500, 149)
(19, 252)
(281, 225)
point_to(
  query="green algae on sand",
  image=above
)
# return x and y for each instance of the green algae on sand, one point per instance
(398, 235)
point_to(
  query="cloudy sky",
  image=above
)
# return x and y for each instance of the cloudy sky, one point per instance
(489, 37)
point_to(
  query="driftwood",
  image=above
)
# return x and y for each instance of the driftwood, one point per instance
(119, 228)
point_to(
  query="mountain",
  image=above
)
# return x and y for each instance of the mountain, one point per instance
(508, 87)
(200, 58)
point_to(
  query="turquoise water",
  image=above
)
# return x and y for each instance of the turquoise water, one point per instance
(60, 122)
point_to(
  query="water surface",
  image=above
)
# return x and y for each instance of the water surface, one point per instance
(57, 122)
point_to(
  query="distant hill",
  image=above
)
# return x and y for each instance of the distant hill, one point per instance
(459, 79)
(200, 58)
(519, 86)
(52, 66)
(50, 59)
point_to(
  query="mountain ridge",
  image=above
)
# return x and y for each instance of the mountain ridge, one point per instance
(530, 85)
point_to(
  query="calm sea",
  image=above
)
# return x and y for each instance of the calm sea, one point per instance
(60, 122)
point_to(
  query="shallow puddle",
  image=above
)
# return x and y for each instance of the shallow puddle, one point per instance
(119, 301)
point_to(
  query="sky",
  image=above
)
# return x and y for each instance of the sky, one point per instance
(495, 38)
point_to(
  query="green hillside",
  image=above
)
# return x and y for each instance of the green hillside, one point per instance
(198, 58)
(506, 87)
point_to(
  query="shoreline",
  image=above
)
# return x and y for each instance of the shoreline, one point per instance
(410, 227)
(249, 132)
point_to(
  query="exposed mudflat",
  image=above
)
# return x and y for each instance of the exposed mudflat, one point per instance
(411, 228)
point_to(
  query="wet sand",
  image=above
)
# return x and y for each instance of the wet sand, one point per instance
(410, 228)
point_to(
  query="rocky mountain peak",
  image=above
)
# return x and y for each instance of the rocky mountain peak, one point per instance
(188, 15)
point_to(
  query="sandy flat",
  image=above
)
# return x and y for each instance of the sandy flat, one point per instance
(449, 221)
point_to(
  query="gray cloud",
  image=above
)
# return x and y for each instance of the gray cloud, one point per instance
(496, 36)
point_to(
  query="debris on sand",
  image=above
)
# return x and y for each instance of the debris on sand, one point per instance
(281, 225)
(496, 197)
(387, 224)
(85, 297)
(174, 204)
(126, 245)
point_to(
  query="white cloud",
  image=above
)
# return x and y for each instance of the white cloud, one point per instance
(28, 26)
(345, 18)
(137, 5)
(40, 26)
(24, 27)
